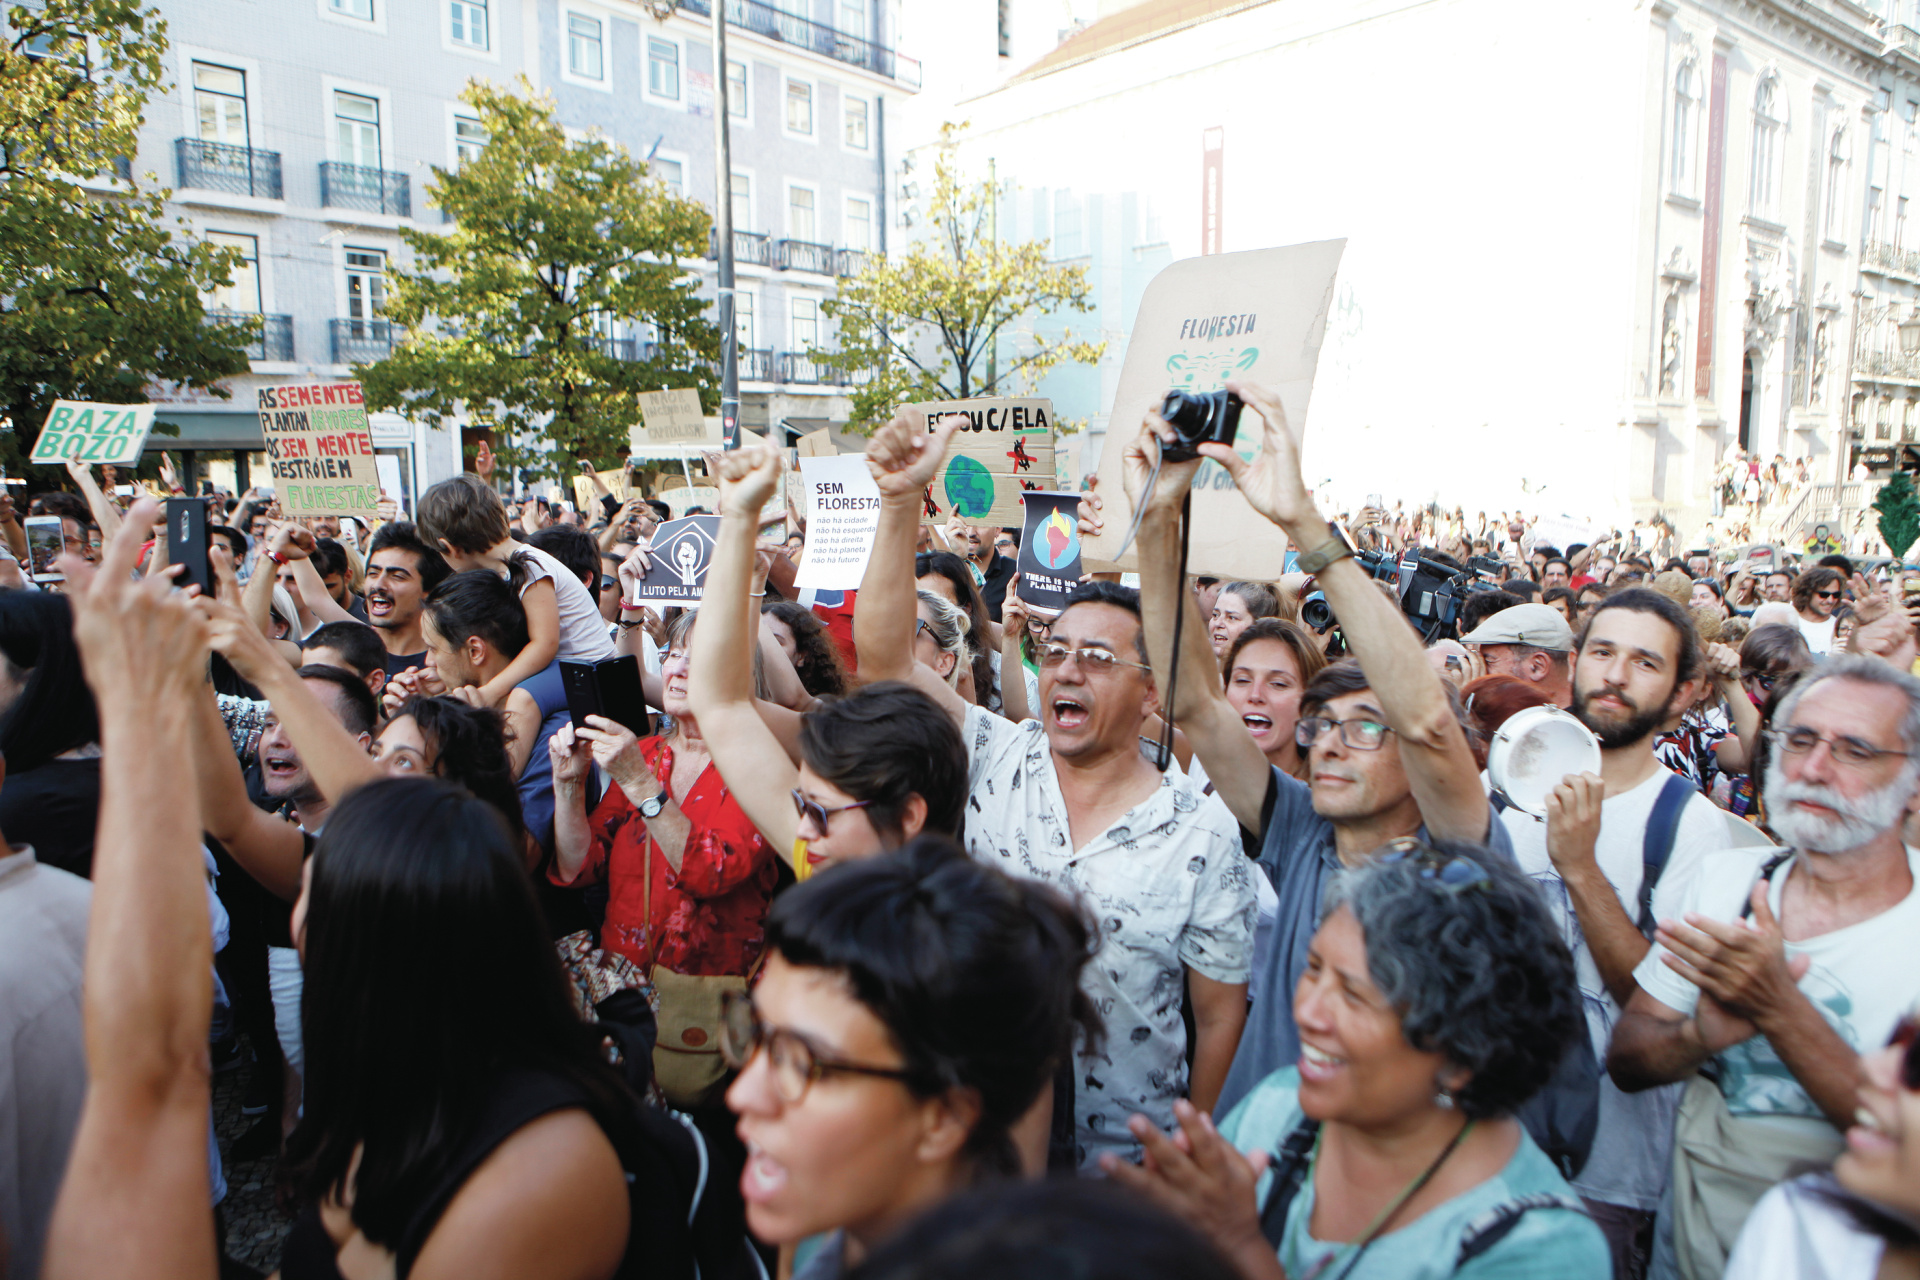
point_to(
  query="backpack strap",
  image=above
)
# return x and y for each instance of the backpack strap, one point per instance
(1766, 873)
(1289, 1171)
(1657, 846)
(1491, 1227)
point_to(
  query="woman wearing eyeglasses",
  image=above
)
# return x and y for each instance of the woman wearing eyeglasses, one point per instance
(912, 1010)
(1437, 998)
(874, 769)
(1861, 1220)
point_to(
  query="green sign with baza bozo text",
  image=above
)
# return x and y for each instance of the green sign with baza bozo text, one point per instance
(78, 431)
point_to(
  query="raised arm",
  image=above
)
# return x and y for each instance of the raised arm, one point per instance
(105, 514)
(139, 1156)
(1440, 766)
(720, 659)
(1013, 670)
(268, 848)
(1238, 769)
(297, 545)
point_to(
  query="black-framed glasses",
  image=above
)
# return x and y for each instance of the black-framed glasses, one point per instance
(1845, 749)
(1052, 654)
(818, 814)
(794, 1063)
(1361, 734)
(1451, 871)
(919, 625)
(1826, 595)
(1906, 1036)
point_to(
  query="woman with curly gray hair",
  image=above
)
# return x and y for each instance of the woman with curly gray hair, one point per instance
(1438, 997)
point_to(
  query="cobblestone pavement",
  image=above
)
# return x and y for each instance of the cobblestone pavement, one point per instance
(255, 1227)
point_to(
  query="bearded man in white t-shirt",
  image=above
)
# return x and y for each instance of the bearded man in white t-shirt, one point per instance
(1778, 970)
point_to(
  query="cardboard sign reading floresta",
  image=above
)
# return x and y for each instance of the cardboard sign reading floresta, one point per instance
(1258, 316)
(843, 517)
(319, 450)
(81, 431)
(1003, 448)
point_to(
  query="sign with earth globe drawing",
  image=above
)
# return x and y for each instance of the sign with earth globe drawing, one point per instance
(969, 488)
(1001, 447)
(1050, 567)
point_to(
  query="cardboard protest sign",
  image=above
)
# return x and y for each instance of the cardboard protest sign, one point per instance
(682, 551)
(683, 497)
(1003, 448)
(81, 431)
(843, 515)
(319, 450)
(816, 444)
(1258, 316)
(671, 417)
(1050, 549)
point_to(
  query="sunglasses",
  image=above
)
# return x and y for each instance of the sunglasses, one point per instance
(1452, 872)
(818, 814)
(1906, 1036)
(1826, 595)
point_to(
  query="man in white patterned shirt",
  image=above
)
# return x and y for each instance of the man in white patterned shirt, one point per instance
(1070, 800)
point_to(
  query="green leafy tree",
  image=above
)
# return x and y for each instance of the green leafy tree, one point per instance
(925, 325)
(100, 292)
(506, 312)
(1899, 510)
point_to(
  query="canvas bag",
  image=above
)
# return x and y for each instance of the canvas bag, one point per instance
(687, 1065)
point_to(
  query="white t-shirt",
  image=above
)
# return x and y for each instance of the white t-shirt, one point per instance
(1632, 1150)
(1862, 978)
(583, 632)
(1795, 1233)
(1819, 635)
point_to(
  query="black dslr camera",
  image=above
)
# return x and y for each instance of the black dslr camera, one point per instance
(1199, 419)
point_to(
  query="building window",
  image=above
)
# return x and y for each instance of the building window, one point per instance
(1913, 124)
(1900, 223)
(469, 22)
(853, 19)
(468, 139)
(859, 232)
(737, 89)
(742, 202)
(806, 324)
(1876, 202)
(800, 107)
(743, 320)
(361, 9)
(1066, 225)
(356, 129)
(220, 97)
(1836, 203)
(1005, 31)
(243, 293)
(366, 287)
(1684, 101)
(663, 68)
(856, 110)
(800, 220)
(1769, 125)
(583, 46)
(672, 174)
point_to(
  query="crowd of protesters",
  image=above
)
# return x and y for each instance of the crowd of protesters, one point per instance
(893, 942)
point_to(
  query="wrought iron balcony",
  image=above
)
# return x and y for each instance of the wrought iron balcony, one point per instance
(352, 186)
(800, 368)
(804, 255)
(362, 341)
(849, 262)
(239, 171)
(788, 28)
(1887, 364)
(1888, 259)
(274, 341)
(748, 247)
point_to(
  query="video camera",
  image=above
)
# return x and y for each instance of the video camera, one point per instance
(1430, 592)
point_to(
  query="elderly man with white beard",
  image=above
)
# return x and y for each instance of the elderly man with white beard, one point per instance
(1773, 971)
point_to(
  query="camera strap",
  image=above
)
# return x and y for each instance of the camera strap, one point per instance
(1164, 755)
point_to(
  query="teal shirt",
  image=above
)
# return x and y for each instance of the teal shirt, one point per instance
(1545, 1242)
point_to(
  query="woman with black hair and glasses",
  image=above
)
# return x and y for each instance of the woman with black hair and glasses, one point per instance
(913, 1009)
(1437, 998)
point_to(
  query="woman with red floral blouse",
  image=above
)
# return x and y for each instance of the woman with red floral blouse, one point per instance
(668, 815)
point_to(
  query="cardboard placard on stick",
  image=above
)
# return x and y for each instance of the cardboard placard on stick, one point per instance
(1050, 550)
(1004, 447)
(682, 551)
(319, 450)
(843, 515)
(82, 431)
(672, 417)
(1258, 316)
(816, 444)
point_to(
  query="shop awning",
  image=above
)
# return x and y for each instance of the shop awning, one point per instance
(208, 430)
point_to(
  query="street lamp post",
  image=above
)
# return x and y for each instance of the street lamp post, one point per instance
(723, 236)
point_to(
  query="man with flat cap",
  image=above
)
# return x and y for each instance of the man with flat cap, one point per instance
(1528, 642)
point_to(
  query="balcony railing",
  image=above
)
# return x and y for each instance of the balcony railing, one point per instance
(802, 369)
(1887, 364)
(274, 340)
(849, 262)
(352, 186)
(788, 28)
(804, 255)
(362, 341)
(748, 247)
(1887, 258)
(239, 171)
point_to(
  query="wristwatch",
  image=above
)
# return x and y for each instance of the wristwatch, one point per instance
(650, 807)
(1335, 548)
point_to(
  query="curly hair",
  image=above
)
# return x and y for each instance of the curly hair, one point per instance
(1479, 974)
(816, 658)
(469, 748)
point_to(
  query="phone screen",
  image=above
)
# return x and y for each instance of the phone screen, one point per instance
(44, 544)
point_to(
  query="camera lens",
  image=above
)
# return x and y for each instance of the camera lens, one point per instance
(1315, 612)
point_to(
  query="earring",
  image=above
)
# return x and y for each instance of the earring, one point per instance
(1443, 1100)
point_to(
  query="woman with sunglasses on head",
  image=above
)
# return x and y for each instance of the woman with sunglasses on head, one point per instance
(1861, 1219)
(946, 575)
(912, 1011)
(1438, 997)
(874, 769)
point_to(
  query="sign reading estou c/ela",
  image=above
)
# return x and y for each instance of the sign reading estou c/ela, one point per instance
(843, 515)
(319, 449)
(81, 431)
(1004, 447)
